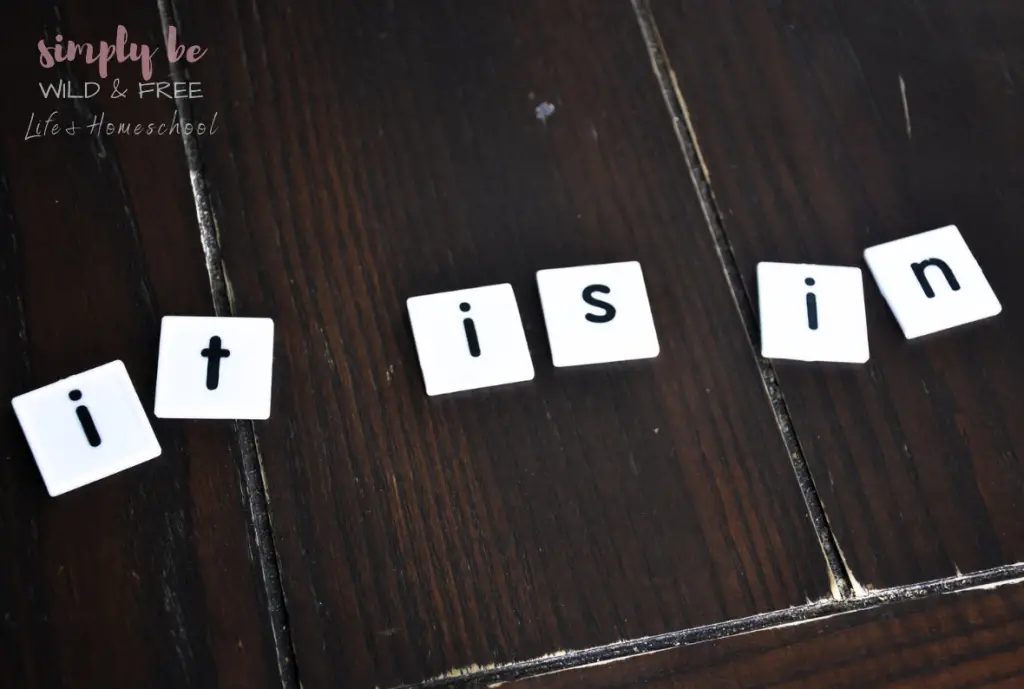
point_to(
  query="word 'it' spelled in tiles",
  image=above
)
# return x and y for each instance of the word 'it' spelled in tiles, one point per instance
(92, 425)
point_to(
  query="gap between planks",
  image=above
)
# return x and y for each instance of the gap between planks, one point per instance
(562, 661)
(252, 478)
(842, 581)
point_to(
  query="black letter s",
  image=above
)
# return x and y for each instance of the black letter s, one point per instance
(609, 310)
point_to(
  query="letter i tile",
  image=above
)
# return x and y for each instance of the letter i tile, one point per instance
(812, 312)
(86, 427)
(469, 339)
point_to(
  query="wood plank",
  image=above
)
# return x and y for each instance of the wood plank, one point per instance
(376, 151)
(969, 639)
(148, 578)
(800, 119)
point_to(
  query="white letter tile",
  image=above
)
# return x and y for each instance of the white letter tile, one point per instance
(469, 339)
(86, 427)
(932, 282)
(214, 368)
(812, 312)
(597, 314)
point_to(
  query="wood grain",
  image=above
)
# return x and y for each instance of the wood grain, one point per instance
(957, 641)
(376, 151)
(148, 578)
(813, 156)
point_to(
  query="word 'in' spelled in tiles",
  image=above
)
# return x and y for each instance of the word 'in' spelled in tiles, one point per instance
(931, 281)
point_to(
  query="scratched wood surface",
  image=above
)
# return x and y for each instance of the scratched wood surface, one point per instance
(814, 155)
(145, 579)
(368, 152)
(376, 151)
(970, 639)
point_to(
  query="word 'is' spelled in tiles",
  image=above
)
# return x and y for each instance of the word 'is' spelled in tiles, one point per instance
(474, 338)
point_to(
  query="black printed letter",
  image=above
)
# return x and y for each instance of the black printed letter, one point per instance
(85, 418)
(919, 269)
(470, 327)
(812, 306)
(214, 354)
(609, 310)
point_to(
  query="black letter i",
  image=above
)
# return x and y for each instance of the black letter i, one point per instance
(471, 338)
(812, 306)
(85, 418)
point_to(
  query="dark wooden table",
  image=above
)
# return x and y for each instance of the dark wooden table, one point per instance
(704, 519)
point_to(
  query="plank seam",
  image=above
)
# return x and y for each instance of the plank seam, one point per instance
(841, 578)
(253, 480)
(1006, 575)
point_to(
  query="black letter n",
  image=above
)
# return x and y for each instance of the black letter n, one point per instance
(919, 269)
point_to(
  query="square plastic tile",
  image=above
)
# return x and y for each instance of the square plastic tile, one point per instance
(214, 368)
(470, 339)
(597, 314)
(812, 312)
(86, 427)
(932, 282)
